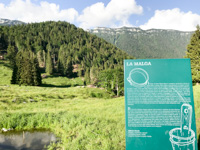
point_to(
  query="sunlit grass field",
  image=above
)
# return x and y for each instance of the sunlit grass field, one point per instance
(83, 118)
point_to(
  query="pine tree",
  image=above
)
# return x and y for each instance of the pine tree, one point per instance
(49, 64)
(87, 76)
(60, 67)
(14, 74)
(26, 74)
(26, 69)
(62, 60)
(11, 54)
(69, 67)
(44, 58)
(193, 52)
(19, 65)
(37, 79)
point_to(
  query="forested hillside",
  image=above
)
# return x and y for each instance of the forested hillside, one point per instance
(154, 43)
(61, 49)
(64, 44)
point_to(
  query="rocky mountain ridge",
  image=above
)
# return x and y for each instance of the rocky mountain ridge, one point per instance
(8, 22)
(152, 43)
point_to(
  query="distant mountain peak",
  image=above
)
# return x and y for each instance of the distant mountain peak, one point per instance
(131, 29)
(7, 22)
(121, 30)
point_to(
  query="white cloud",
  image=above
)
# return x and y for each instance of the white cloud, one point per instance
(173, 19)
(25, 10)
(116, 13)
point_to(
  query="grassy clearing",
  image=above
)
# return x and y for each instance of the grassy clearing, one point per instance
(89, 123)
(84, 118)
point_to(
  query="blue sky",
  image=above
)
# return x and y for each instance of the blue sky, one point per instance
(181, 15)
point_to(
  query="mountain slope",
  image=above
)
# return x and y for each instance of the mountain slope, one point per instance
(67, 45)
(154, 43)
(7, 22)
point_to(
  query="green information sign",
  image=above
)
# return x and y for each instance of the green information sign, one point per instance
(159, 105)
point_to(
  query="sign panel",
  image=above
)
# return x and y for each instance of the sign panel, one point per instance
(159, 105)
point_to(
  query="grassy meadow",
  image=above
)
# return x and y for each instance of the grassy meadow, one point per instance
(83, 118)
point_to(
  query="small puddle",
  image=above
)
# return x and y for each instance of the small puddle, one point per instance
(26, 140)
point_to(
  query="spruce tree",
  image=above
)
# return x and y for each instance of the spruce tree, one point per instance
(26, 74)
(11, 54)
(26, 69)
(49, 64)
(193, 52)
(19, 65)
(69, 67)
(14, 74)
(87, 77)
(62, 59)
(37, 79)
(60, 67)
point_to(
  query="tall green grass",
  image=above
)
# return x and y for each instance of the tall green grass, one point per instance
(84, 118)
(81, 124)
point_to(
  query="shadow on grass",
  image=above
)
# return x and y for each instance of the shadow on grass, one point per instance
(58, 86)
(74, 75)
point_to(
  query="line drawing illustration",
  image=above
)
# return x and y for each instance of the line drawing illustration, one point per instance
(182, 99)
(183, 138)
(133, 81)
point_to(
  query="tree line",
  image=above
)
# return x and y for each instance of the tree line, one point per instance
(193, 52)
